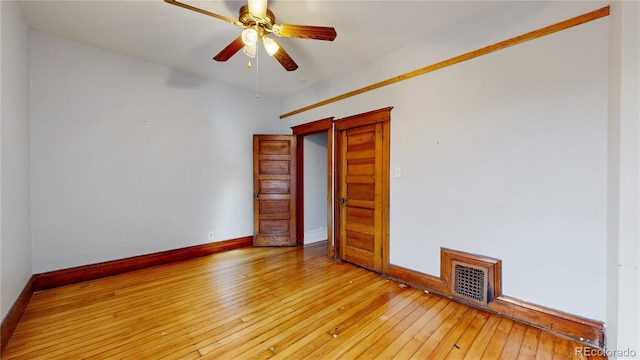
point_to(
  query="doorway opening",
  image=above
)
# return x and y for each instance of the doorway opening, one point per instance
(314, 185)
(315, 191)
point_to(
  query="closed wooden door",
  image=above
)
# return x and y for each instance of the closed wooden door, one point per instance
(274, 176)
(363, 192)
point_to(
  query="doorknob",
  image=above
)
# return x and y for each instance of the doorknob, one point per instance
(341, 201)
(255, 196)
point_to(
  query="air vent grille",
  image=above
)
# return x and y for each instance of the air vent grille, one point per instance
(470, 282)
(471, 278)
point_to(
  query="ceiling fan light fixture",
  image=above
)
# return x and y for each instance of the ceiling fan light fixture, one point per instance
(270, 45)
(250, 50)
(250, 36)
(257, 21)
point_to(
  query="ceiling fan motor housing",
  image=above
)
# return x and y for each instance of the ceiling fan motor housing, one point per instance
(249, 20)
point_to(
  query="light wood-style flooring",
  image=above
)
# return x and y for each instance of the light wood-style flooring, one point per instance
(259, 303)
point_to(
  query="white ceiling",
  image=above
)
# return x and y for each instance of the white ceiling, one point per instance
(161, 33)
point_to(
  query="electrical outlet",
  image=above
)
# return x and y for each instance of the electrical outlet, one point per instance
(210, 235)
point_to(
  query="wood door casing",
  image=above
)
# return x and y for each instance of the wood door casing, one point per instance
(274, 187)
(363, 183)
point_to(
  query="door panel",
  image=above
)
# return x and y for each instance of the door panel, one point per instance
(360, 227)
(276, 187)
(275, 167)
(274, 174)
(362, 159)
(360, 240)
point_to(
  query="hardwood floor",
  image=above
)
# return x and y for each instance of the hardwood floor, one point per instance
(259, 303)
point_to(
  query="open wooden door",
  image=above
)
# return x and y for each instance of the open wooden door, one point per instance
(274, 190)
(363, 189)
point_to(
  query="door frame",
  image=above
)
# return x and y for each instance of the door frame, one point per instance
(311, 128)
(340, 126)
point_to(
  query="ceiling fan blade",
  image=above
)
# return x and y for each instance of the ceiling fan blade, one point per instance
(305, 32)
(285, 60)
(202, 11)
(230, 50)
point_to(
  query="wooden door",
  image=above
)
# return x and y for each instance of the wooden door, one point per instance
(363, 190)
(274, 189)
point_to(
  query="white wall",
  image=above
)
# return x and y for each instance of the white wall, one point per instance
(315, 187)
(504, 155)
(623, 247)
(15, 233)
(131, 158)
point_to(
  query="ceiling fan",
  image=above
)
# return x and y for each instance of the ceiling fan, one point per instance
(258, 22)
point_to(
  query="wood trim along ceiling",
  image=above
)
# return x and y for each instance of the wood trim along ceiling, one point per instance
(576, 327)
(48, 280)
(581, 19)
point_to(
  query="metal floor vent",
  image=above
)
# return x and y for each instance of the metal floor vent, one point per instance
(470, 277)
(470, 282)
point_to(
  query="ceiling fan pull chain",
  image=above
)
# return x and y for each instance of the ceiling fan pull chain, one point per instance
(257, 72)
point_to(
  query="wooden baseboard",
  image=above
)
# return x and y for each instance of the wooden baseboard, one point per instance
(10, 322)
(78, 274)
(418, 279)
(576, 327)
(582, 329)
(48, 280)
